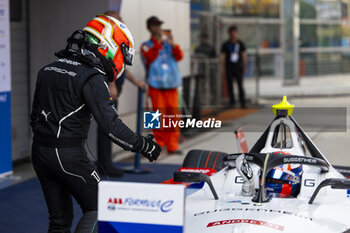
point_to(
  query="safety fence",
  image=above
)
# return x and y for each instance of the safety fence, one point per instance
(203, 87)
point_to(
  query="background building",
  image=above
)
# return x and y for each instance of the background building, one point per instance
(293, 38)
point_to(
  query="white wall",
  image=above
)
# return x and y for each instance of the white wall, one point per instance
(176, 16)
(52, 22)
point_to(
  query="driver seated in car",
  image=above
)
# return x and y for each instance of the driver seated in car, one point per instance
(281, 181)
(284, 180)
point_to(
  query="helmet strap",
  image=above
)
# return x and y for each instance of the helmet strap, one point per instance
(107, 64)
(76, 44)
(79, 39)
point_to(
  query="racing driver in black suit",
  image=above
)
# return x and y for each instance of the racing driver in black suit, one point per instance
(68, 93)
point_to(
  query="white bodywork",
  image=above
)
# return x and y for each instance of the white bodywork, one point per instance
(233, 213)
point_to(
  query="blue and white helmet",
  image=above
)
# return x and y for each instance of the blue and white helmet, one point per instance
(284, 180)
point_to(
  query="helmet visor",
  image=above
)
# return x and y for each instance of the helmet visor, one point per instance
(128, 54)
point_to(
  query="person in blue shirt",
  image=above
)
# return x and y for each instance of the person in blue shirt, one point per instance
(160, 55)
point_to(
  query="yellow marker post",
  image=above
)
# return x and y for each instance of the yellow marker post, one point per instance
(284, 105)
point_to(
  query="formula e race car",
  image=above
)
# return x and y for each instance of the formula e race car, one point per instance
(283, 184)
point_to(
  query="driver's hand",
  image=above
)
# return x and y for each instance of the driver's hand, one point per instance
(244, 168)
(246, 172)
(150, 149)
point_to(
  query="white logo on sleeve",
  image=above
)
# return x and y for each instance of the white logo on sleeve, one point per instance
(96, 176)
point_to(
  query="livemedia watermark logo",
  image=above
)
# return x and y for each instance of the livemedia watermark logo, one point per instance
(159, 120)
(151, 120)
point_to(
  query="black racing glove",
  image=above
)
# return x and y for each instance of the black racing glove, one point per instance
(150, 149)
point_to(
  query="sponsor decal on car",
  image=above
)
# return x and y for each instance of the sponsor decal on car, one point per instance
(247, 221)
(262, 210)
(207, 171)
(297, 159)
(235, 201)
(140, 204)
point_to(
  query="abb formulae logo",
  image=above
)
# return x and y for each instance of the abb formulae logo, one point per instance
(207, 171)
(248, 221)
(115, 201)
(140, 204)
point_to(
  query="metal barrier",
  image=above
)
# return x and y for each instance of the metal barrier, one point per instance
(206, 76)
(137, 163)
(204, 86)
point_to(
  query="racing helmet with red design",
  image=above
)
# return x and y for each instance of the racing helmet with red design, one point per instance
(284, 180)
(114, 41)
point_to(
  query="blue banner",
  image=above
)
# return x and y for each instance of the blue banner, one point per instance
(5, 133)
(5, 89)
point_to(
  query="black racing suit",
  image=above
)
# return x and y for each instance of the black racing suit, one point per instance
(68, 93)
